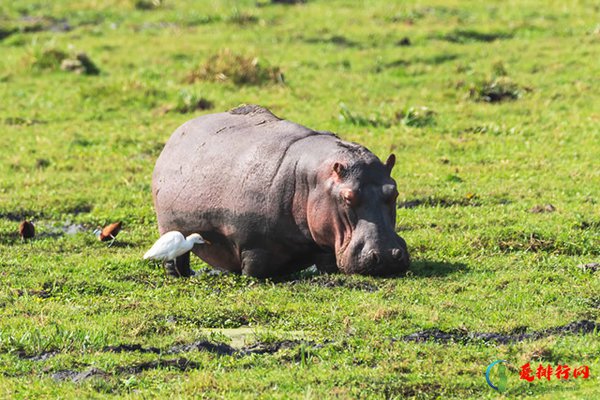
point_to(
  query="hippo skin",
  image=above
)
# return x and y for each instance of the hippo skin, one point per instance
(274, 197)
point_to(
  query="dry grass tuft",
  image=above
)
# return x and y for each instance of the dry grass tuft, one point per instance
(227, 66)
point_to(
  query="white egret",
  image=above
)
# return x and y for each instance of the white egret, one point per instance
(172, 245)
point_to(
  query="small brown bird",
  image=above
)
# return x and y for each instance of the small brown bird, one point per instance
(109, 232)
(26, 230)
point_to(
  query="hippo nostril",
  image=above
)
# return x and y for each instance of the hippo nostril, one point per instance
(397, 254)
(374, 256)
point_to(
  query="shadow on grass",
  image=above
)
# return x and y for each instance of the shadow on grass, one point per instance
(428, 269)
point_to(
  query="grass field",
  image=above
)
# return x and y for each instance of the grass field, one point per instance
(492, 109)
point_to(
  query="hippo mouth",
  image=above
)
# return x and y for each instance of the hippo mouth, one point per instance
(367, 254)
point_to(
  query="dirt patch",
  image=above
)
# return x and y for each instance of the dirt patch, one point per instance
(125, 348)
(405, 41)
(288, 1)
(334, 281)
(80, 63)
(202, 345)
(337, 40)
(73, 229)
(33, 24)
(23, 121)
(496, 90)
(227, 66)
(181, 364)
(518, 335)
(444, 202)
(20, 215)
(535, 242)
(205, 345)
(43, 356)
(270, 348)
(542, 208)
(591, 225)
(591, 267)
(471, 35)
(41, 293)
(79, 376)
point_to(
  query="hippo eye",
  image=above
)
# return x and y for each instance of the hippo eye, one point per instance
(349, 197)
(390, 194)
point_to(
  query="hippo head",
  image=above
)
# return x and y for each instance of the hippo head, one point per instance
(353, 211)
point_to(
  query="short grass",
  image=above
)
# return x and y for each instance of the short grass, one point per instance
(492, 109)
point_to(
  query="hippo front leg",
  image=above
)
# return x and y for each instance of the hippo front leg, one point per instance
(326, 262)
(180, 267)
(255, 263)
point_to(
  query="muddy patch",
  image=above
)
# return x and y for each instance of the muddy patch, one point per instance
(444, 202)
(33, 24)
(542, 208)
(181, 364)
(518, 335)
(48, 289)
(20, 215)
(125, 348)
(19, 121)
(274, 347)
(41, 293)
(590, 267)
(534, 242)
(73, 229)
(237, 348)
(337, 40)
(43, 356)
(79, 376)
(591, 225)
(30, 23)
(333, 281)
(471, 35)
(202, 345)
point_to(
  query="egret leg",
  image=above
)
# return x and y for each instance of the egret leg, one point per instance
(176, 269)
(183, 266)
(180, 267)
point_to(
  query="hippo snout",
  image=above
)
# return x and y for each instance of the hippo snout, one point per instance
(366, 258)
(382, 262)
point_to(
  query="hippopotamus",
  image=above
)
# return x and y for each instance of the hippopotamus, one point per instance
(274, 197)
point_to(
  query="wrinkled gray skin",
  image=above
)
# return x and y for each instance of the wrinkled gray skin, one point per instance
(274, 197)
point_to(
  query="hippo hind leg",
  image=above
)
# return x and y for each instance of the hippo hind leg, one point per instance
(180, 268)
(256, 263)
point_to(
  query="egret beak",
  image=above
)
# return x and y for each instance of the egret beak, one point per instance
(207, 242)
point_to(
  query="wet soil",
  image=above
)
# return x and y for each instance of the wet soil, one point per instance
(337, 281)
(462, 336)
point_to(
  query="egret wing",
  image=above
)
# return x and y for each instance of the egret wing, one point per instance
(164, 245)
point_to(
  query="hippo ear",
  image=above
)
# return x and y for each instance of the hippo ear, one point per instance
(339, 169)
(389, 163)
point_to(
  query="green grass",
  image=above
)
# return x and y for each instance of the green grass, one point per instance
(78, 151)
